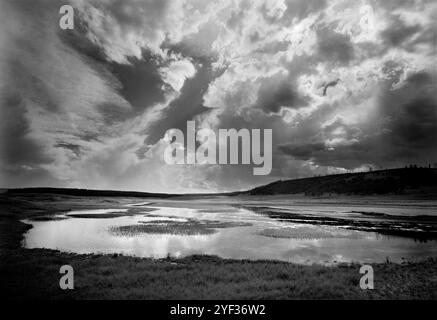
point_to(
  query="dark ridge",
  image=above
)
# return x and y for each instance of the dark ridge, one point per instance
(87, 192)
(408, 181)
(392, 181)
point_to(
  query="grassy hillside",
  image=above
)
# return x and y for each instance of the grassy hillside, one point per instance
(393, 181)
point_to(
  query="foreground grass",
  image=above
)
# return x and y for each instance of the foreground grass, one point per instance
(34, 274)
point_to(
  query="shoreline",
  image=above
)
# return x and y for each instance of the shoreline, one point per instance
(34, 274)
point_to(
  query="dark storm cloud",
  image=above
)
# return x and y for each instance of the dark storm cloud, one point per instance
(328, 85)
(334, 47)
(409, 36)
(76, 149)
(122, 28)
(142, 85)
(187, 105)
(408, 132)
(412, 110)
(302, 151)
(416, 124)
(277, 92)
(138, 80)
(16, 142)
(317, 149)
(347, 132)
(78, 40)
(398, 32)
(421, 79)
(346, 156)
(21, 152)
(393, 70)
(392, 5)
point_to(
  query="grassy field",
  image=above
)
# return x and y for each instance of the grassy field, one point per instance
(34, 274)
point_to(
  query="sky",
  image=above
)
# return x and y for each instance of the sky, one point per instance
(344, 85)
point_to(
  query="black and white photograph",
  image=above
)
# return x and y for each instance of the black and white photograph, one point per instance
(209, 150)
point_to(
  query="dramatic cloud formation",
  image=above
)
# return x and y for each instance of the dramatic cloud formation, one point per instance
(344, 85)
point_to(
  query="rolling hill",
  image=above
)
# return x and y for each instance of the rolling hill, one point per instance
(391, 181)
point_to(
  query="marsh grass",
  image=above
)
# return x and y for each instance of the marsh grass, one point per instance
(308, 233)
(100, 215)
(421, 229)
(108, 215)
(48, 218)
(189, 227)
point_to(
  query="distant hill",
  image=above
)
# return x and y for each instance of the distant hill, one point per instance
(87, 192)
(392, 181)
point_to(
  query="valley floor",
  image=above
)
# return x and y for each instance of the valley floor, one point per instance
(34, 274)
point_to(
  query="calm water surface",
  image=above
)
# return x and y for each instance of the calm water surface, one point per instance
(264, 238)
